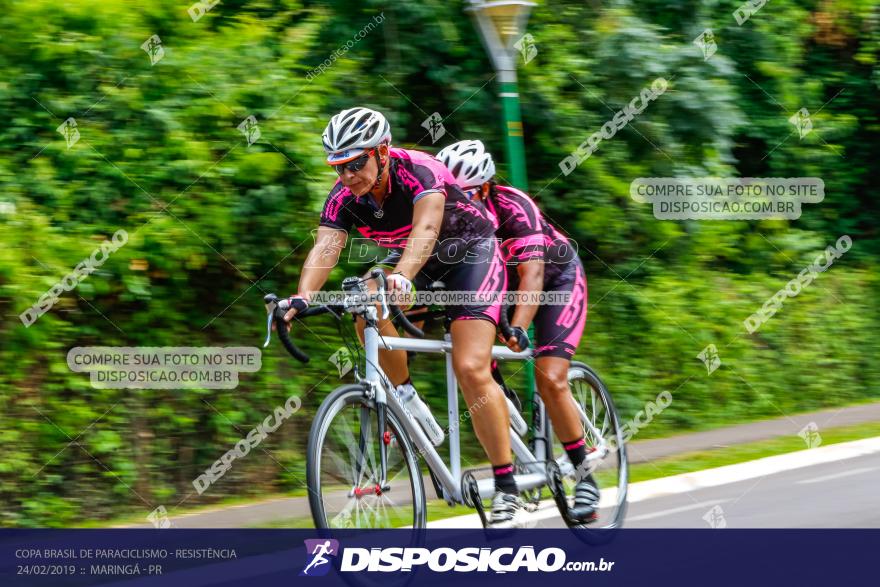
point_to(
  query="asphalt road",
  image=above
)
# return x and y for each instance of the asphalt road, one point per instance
(841, 494)
(261, 512)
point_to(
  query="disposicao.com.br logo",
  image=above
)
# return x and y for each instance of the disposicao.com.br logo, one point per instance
(444, 559)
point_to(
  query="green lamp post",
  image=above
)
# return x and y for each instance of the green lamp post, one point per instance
(501, 24)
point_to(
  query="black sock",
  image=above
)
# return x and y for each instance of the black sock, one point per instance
(577, 452)
(504, 480)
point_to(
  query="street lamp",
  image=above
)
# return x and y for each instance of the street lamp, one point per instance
(501, 24)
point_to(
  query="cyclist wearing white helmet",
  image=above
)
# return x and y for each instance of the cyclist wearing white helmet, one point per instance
(407, 201)
(539, 259)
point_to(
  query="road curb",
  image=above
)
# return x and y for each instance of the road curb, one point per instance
(696, 480)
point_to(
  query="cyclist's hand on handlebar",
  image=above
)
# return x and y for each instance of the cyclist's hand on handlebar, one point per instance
(293, 305)
(519, 340)
(511, 344)
(398, 281)
(402, 288)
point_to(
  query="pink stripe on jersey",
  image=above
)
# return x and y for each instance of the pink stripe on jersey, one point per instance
(495, 281)
(426, 159)
(389, 239)
(410, 180)
(516, 211)
(577, 310)
(555, 235)
(402, 231)
(470, 209)
(529, 255)
(335, 203)
(532, 239)
(513, 248)
(438, 170)
(519, 202)
(490, 211)
(496, 277)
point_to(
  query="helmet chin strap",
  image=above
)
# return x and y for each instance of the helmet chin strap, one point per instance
(381, 169)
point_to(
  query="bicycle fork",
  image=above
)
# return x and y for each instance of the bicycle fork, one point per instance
(376, 391)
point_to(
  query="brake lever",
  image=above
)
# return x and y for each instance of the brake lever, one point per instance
(385, 311)
(272, 302)
(270, 308)
(268, 330)
(379, 275)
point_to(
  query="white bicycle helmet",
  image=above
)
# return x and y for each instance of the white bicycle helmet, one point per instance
(471, 165)
(352, 131)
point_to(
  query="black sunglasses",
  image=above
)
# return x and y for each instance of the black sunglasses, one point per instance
(354, 165)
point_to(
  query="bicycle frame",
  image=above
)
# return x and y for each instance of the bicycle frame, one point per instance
(449, 478)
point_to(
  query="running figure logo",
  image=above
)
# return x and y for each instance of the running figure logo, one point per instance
(526, 46)
(250, 129)
(69, 131)
(710, 358)
(153, 47)
(342, 359)
(318, 550)
(706, 42)
(801, 120)
(434, 126)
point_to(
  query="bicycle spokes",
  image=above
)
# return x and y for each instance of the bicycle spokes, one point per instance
(365, 481)
(606, 453)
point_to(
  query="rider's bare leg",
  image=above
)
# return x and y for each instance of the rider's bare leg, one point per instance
(471, 356)
(551, 377)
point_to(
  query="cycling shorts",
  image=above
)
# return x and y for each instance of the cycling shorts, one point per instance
(482, 271)
(558, 328)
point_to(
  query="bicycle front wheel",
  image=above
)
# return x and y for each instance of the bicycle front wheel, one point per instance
(343, 466)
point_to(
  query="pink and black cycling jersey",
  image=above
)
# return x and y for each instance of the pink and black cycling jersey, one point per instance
(466, 257)
(526, 235)
(413, 175)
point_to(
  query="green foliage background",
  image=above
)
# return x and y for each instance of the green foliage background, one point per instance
(214, 223)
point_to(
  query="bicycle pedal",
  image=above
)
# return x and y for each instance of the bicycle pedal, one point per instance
(583, 515)
(530, 506)
(470, 491)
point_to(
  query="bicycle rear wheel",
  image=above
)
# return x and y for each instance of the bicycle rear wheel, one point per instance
(343, 469)
(609, 467)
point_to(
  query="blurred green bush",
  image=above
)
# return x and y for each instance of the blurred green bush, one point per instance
(214, 223)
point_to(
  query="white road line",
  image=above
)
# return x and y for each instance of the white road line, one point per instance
(661, 513)
(697, 480)
(836, 476)
(752, 469)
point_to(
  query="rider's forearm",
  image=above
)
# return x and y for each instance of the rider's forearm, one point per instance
(321, 260)
(312, 279)
(418, 250)
(427, 217)
(531, 284)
